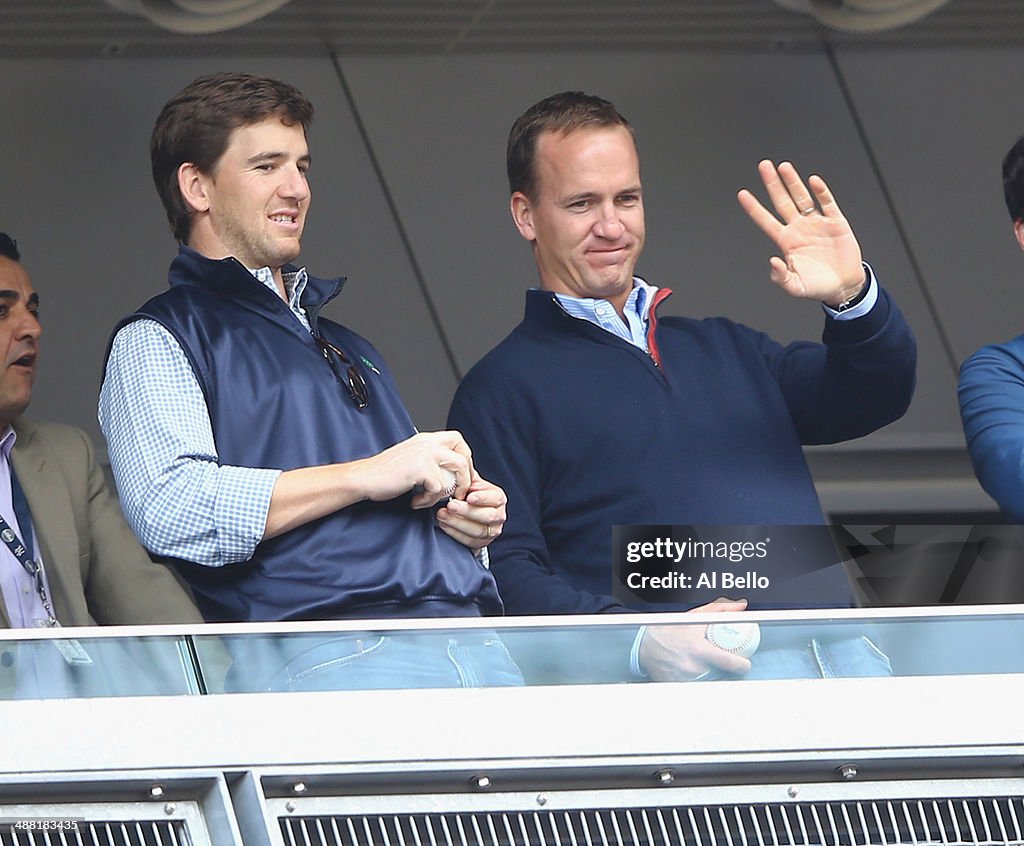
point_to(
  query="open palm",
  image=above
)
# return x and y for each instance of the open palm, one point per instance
(821, 258)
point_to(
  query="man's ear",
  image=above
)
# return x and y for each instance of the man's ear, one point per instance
(522, 214)
(192, 183)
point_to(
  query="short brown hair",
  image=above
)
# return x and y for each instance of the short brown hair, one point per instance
(565, 113)
(196, 124)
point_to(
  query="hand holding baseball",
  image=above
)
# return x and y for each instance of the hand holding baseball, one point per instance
(426, 464)
(682, 652)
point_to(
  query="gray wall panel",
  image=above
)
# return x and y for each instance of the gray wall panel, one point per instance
(78, 197)
(940, 122)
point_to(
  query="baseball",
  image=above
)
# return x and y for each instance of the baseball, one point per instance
(737, 638)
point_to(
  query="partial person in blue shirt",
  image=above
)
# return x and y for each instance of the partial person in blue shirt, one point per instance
(263, 448)
(596, 411)
(991, 385)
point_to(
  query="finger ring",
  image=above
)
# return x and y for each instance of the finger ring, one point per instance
(806, 212)
(487, 530)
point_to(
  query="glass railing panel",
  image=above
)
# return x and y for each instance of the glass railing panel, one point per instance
(849, 643)
(93, 662)
(579, 650)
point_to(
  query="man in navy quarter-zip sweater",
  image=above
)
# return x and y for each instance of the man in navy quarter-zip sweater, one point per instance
(263, 449)
(595, 412)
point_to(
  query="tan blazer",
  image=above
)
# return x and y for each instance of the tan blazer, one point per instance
(97, 570)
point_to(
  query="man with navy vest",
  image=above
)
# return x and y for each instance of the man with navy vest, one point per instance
(625, 417)
(263, 448)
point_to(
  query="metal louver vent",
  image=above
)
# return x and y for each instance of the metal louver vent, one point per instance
(950, 822)
(131, 833)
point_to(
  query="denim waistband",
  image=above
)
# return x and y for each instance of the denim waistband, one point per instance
(782, 636)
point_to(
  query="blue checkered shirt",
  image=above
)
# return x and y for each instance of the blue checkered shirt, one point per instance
(177, 497)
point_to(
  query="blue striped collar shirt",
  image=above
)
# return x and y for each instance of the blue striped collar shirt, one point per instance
(602, 313)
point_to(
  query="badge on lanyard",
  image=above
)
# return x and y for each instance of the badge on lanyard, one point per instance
(70, 650)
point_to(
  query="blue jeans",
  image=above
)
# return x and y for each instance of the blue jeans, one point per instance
(376, 661)
(856, 656)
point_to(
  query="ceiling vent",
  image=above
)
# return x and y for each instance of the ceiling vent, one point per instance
(864, 15)
(197, 17)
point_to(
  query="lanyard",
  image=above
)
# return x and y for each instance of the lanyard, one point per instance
(22, 551)
(21, 510)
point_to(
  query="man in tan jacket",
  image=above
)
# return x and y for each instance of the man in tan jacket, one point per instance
(67, 557)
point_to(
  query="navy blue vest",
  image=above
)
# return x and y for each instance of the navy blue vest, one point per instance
(275, 402)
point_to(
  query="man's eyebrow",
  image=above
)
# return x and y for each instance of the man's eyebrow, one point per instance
(12, 296)
(582, 195)
(273, 155)
(264, 155)
(589, 195)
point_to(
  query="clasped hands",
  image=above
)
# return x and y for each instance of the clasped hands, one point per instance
(821, 259)
(429, 463)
